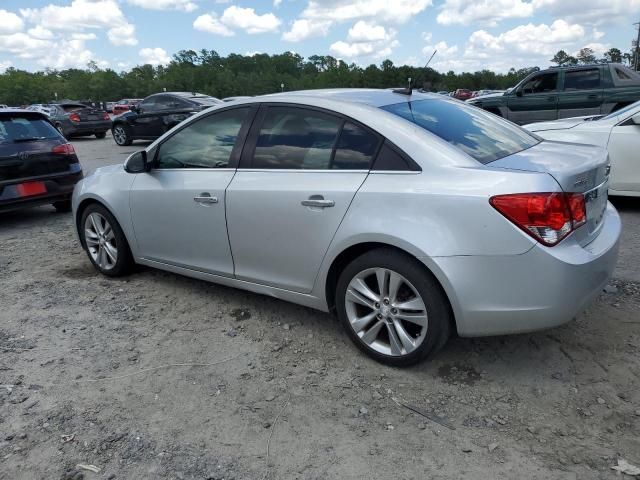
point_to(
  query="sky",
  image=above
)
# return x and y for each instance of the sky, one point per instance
(468, 35)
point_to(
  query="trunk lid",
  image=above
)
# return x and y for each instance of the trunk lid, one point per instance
(564, 124)
(33, 159)
(577, 168)
(86, 114)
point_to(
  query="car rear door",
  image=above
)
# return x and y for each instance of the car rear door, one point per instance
(536, 100)
(581, 94)
(178, 208)
(299, 172)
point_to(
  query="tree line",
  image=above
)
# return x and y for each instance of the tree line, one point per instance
(207, 72)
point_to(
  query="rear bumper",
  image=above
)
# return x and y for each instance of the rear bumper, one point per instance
(87, 127)
(542, 288)
(59, 188)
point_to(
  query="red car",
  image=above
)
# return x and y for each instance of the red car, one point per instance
(125, 105)
(463, 94)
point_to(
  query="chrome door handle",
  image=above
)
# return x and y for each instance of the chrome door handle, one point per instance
(320, 203)
(205, 198)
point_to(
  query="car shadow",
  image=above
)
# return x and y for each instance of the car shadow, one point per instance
(27, 217)
(626, 203)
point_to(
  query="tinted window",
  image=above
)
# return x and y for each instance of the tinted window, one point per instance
(390, 159)
(296, 138)
(621, 74)
(481, 135)
(149, 104)
(205, 143)
(545, 82)
(356, 148)
(582, 79)
(20, 129)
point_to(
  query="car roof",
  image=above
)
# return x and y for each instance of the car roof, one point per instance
(374, 97)
(21, 112)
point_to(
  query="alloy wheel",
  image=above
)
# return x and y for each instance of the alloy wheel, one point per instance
(101, 241)
(386, 311)
(120, 135)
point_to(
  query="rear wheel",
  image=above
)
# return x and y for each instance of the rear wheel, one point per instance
(62, 206)
(392, 308)
(105, 242)
(122, 135)
(101, 134)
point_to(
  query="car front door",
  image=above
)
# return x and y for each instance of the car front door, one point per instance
(536, 100)
(178, 208)
(582, 93)
(146, 114)
(298, 175)
(623, 147)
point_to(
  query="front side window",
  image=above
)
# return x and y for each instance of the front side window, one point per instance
(149, 104)
(582, 79)
(296, 138)
(483, 136)
(205, 143)
(544, 82)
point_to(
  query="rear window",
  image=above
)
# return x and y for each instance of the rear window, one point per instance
(24, 129)
(479, 134)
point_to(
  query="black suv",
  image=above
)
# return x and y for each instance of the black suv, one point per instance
(37, 165)
(157, 114)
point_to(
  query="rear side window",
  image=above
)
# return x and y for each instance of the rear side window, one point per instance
(205, 143)
(21, 129)
(482, 136)
(356, 148)
(296, 138)
(582, 79)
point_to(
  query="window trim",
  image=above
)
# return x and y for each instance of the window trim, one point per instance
(246, 160)
(241, 139)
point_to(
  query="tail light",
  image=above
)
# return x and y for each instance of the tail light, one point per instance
(64, 149)
(547, 217)
(74, 117)
(105, 116)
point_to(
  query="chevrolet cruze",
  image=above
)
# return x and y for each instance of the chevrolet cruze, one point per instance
(411, 216)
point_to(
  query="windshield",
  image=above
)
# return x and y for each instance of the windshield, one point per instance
(24, 129)
(622, 111)
(479, 134)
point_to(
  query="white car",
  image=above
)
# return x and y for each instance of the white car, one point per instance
(618, 132)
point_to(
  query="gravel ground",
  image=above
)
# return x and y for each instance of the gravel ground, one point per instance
(164, 377)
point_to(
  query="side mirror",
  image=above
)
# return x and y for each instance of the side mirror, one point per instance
(137, 162)
(133, 108)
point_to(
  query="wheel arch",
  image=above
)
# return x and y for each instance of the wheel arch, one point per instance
(348, 254)
(83, 205)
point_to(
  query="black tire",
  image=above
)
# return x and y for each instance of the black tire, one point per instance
(101, 134)
(122, 134)
(124, 262)
(62, 206)
(434, 298)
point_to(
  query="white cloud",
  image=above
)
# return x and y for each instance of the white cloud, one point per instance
(365, 40)
(484, 12)
(209, 22)
(84, 36)
(596, 12)
(85, 14)
(237, 18)
(4, 64)
(443, 49)
(154, 56)
(10, 22)
(302, 29)
(276, 3)
(40, 32)
(184, 5)
(71, 54)
(398, 11)
(24, 46)
(246, 19)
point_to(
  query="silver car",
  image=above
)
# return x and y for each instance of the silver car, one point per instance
(411, 216)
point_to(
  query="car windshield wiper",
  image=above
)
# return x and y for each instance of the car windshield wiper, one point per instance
(30, 139)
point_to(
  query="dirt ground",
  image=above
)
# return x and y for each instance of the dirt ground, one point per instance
(158, 376)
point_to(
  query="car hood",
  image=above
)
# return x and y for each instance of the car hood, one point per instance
(109, 169)
(563, 124)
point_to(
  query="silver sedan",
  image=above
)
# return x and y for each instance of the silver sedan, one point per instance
(411, 216)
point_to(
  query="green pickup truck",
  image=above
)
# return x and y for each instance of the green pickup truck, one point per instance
(563, 92)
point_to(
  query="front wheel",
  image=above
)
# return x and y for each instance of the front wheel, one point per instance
(121, 135)
(105, 242)
(392, 307)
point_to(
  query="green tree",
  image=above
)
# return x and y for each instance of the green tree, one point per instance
(586, 56)
(613, 55)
